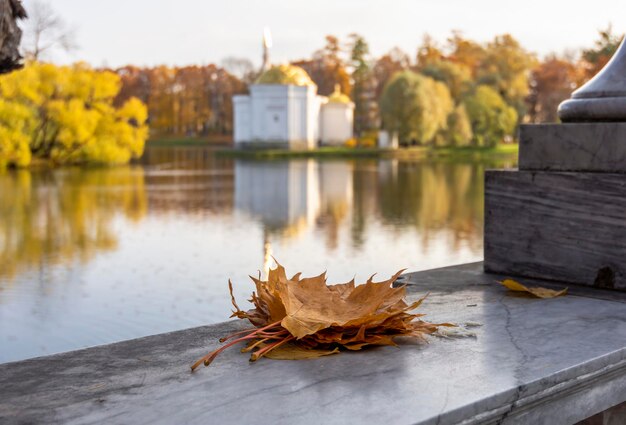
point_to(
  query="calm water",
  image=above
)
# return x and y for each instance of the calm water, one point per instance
(95, 256)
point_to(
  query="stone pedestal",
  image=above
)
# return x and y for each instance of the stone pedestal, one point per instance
(595, 147)
(562, 215)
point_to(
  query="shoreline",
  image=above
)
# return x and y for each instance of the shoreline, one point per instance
(420, 152)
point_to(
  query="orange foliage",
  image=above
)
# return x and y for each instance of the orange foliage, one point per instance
(191, 101)
(302, 318)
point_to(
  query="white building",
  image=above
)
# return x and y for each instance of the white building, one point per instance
(284, 110)
(336, 119)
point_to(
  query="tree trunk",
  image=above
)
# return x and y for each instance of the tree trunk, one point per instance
(10, 35)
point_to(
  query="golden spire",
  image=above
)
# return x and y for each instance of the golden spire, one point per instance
(267, 45)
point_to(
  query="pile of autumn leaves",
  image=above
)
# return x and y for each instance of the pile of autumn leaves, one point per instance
(305, 318)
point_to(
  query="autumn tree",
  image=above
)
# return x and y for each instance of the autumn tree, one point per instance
(428, 53)
(46, 31)
(551, 83)
(328, 68)
(595, 58)
(416, 107)
(506, 68)
(66, 115)
(221, 89)
(387, 65)
(160, 101)
(466, 53)
(190, 101)
(135, 83)
(241, 68)
(491, 117)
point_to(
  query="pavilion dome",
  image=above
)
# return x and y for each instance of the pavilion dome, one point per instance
(285, 75)
(338, 97)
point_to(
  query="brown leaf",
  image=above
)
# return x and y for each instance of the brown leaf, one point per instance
(296, 352)
(305, 318)
(536, 291)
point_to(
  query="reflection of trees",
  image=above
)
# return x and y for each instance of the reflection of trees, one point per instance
(434, 197)
(431, 197)
(365, 198)
(64, 215)
(188, 180)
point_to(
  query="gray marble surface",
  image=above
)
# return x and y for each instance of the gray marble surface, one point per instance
(533, 361)
(558, 226)
(597, 147)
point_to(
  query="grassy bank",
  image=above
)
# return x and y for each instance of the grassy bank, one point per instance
(504, 150)
(168, 142)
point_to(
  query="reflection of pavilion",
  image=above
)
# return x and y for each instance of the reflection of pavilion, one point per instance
(283, 195)
(289, 197)
(336, 193)
(336, 189)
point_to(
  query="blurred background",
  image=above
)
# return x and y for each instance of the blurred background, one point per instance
(124, 208)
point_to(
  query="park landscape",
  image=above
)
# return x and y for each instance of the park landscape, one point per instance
(451, 93)
(129, 208)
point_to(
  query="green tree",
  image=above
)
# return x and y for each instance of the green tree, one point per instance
(459, 129)
(363, 85)
(415, 106)
(506, 67)
(491, 117)
(456, 77)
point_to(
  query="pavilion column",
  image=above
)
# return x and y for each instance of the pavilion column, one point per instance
(562, 215)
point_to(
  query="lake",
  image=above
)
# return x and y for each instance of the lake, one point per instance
(93, 256)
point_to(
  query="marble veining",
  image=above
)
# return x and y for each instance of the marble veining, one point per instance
(530, 357)
(597, 147)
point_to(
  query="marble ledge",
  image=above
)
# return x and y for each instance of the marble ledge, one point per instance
(533, 361)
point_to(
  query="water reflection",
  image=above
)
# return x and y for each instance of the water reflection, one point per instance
(426, 198)
(90, 256)
(284, 196)
(432, 198)
(63, 216)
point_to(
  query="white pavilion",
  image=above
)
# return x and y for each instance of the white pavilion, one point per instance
(284, 110)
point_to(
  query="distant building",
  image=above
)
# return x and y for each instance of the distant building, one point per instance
(336, 119)
(284, 110)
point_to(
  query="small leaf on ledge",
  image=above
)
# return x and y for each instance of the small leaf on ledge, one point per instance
(536, 291)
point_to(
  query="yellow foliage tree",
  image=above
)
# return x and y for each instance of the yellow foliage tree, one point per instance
(65, 114)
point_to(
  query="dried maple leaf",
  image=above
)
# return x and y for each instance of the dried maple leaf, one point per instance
(536, 291)
(305, 318)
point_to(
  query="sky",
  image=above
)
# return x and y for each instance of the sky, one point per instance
(181, 32)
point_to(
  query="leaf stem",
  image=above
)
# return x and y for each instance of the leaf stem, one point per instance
(256, 356)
